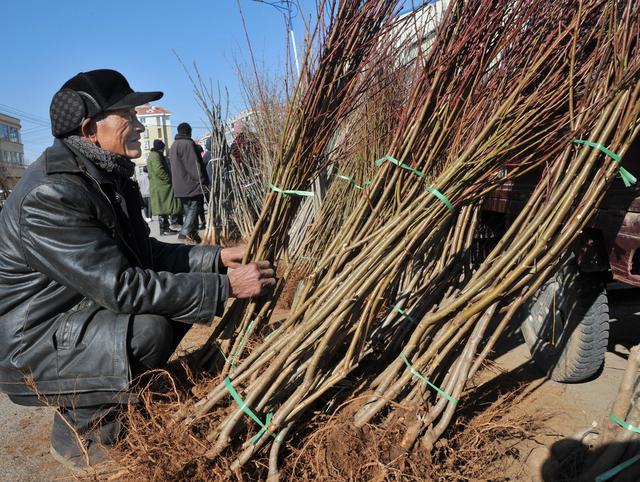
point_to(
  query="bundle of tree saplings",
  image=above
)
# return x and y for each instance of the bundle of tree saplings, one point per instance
(344, 44)
(393, 309)
(504, 89)
(365, 135)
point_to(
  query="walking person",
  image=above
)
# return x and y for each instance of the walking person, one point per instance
(188, 181)
(164, 203)
(206, 188)
(143, 184)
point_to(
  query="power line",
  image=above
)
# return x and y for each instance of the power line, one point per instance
(24, 113)
(34, 119)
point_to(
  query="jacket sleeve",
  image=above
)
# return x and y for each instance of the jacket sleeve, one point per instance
(63, 238)
(180, 258)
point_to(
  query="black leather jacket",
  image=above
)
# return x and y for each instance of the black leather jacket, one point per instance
(72, 241)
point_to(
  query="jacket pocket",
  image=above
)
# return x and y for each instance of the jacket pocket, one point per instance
(72, 324)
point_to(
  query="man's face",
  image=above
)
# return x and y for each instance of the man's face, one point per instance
(119, 132)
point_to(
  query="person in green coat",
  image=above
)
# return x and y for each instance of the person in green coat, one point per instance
(164, 203)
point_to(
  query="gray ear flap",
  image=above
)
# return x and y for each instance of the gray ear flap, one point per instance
(67, 112)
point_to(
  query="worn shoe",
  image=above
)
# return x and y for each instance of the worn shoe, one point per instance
(67, 448)
(168, 232)
(176, 227)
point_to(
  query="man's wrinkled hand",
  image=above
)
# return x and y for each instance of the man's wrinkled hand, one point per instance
(253, 279)
(232, 257)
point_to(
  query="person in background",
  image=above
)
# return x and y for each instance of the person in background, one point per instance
(143, 185)
(164, 203)
(206, 189)
(88, 301)
(188, 180)
(206, 159)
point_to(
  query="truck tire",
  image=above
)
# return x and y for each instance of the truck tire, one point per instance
(571, 345)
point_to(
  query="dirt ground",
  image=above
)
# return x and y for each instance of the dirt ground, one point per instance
(24, 431)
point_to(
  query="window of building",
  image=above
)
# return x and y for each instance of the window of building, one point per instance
(14, 135)
(4, 132)
(145, 134)
(145, 145)
(159, 133)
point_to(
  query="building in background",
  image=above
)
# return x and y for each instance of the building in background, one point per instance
(157, 125)
(414, 31)
(11, 153)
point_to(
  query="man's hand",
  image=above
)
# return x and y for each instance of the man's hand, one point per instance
(253, 279)
(232, 257)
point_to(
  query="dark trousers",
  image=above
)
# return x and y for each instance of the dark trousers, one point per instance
(201, 214)
(165, 221)
(146, 205)
(191, 207)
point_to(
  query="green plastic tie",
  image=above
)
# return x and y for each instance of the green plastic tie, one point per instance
(353, 181)
(395, 161)
(624, 424)
(289, 192)
(617, 469)
(626, 176)
(405, 314)
(242, 342)
(431, 189)
(253, 416)
(424, 379)
(441, 196)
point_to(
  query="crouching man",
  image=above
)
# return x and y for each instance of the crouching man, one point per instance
(87, 299)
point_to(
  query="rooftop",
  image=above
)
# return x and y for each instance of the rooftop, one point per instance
(148, 109)
(10, 119)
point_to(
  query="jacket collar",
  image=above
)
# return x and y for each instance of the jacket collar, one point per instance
(60, 158)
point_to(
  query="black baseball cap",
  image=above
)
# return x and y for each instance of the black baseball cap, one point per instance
(91, 93)
(110, 91)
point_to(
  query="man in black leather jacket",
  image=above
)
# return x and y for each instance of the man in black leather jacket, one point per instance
(87, 299)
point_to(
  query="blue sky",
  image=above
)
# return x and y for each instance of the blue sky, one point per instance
(46, 42)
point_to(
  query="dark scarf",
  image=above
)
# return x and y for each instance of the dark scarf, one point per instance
(105, 160)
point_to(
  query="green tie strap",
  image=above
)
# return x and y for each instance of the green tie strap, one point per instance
(421, 174)
(441, 196)
(617, 469)
(395, 161)
(624, 424)
(353, 181)
(424, 379)
(253, 416)
(405, 314)
(626, 176)
(289, 192)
